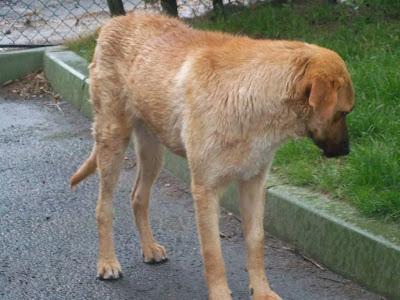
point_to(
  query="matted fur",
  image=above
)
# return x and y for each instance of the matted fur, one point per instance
(226, 103)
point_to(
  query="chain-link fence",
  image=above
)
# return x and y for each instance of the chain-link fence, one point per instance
(27, 23)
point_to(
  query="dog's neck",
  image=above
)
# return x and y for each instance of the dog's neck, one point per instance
(250, 95)
(265, 103)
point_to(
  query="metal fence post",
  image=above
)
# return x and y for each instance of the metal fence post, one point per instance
(170, 7)
(116, 7)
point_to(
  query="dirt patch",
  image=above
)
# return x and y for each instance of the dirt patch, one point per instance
(31, 86)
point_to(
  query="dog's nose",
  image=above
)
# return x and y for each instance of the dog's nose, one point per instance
(336, 153)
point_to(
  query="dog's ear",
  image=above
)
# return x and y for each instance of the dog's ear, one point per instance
(323, 98)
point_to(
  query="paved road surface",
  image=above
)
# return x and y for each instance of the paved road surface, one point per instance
(48, 234)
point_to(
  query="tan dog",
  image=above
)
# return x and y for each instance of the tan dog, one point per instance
(224, 102)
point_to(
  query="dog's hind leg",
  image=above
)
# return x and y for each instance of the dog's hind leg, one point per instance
(149, 155)
(112, 134)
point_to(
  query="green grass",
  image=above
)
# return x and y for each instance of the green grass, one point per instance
(368, 38)
(84, 46)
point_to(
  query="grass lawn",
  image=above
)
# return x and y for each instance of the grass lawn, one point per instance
(368, 38)
(84, 46)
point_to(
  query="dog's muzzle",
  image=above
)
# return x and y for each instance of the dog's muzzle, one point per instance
(334, 150)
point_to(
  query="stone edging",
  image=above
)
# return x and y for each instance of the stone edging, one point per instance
(15, 64)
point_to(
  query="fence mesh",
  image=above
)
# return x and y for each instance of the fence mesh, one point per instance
(49, 22)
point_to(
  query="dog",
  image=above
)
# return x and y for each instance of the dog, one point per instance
(225, 103)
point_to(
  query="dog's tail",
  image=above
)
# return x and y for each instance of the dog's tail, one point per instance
(86, 169)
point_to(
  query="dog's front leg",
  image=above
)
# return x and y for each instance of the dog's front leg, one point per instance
(207, 215)
(252, 195)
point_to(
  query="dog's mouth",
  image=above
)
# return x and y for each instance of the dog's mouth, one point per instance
(330, 149)
(331, 154)
(334, 150)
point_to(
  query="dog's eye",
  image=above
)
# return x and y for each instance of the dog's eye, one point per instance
(345, 113)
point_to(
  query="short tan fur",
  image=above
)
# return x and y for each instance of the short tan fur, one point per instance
(224, 102)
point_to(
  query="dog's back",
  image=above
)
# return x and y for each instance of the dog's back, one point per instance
(141, 57)
(122, 37)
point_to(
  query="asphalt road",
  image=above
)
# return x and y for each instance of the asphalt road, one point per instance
(48, 239)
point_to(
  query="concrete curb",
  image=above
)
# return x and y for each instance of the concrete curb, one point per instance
(333, 233)
(68, 75)
(15, 64)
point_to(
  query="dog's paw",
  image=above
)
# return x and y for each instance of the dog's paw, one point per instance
(154, 254)
(269, 295)
(108, 269)
(220, 293)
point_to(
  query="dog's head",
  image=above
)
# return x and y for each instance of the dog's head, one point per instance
(328, 93)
